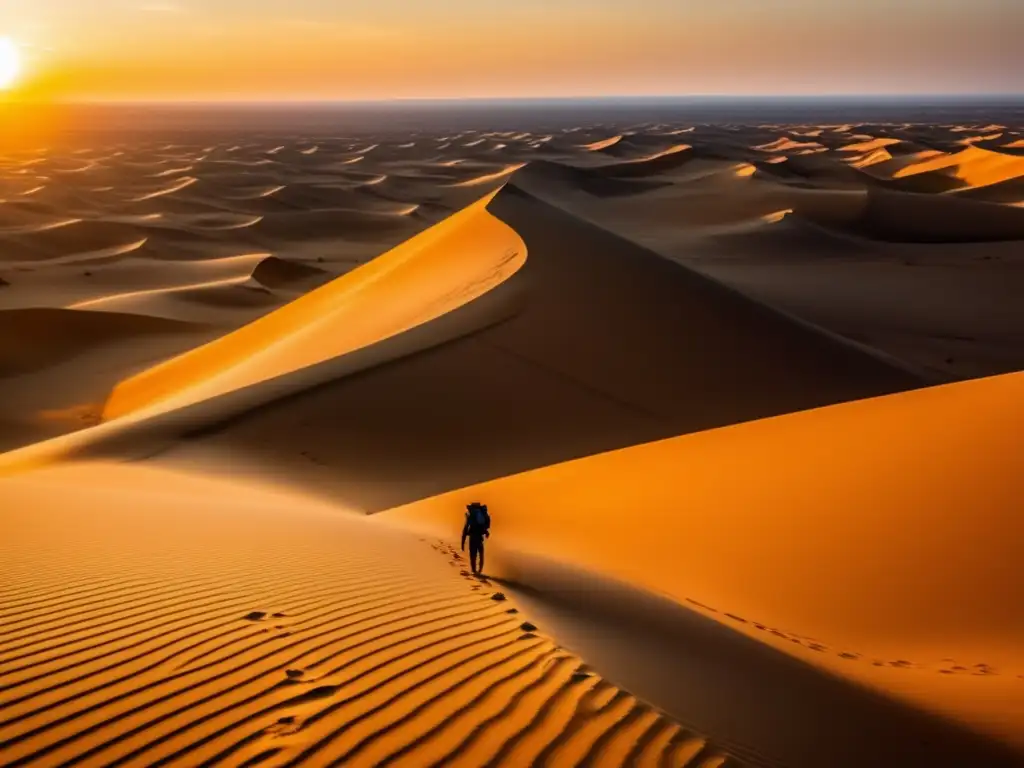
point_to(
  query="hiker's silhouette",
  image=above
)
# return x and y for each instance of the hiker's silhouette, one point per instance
(476, 529)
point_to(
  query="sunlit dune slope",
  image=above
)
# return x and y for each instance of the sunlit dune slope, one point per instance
(886, 530)
(973, 167)
(429, 275)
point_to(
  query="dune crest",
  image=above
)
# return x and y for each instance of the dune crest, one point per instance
(277, 344)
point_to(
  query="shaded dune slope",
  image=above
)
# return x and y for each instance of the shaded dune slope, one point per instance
(600, 182)
(275, 272)
(667, 160)
(38, 337)
(913, 218)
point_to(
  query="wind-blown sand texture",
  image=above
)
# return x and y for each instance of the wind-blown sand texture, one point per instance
(742, 398)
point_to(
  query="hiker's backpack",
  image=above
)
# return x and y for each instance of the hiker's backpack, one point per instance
(479, 517)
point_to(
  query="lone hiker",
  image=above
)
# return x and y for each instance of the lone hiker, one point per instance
(477, 528)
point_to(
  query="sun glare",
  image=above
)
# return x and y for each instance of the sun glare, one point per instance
(10, 63)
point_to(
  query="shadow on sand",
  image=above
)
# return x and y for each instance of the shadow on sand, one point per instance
(760, 704)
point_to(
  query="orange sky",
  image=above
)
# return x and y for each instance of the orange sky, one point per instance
(342, 49)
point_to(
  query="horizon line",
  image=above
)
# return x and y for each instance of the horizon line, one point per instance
(469, 100)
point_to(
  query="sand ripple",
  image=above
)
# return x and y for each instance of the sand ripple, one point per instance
(307, 640)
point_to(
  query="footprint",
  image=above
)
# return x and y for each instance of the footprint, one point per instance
(528, 627)
(294, 674)
(499, 596)
(701, 605)
(255, 616)
(284, 726)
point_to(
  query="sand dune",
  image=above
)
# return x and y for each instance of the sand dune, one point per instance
(788, 145)
(973, 167)
(1010, 191)
(571, 398)
(938, 522)
(875, 157)
(558, 177)
(329, 224)
(277, 273)
(487, 178)
(870, 145)
(232, 363)
(72, 237)
(905, 217)
(164, 301)
(35, 338)
(661, 162)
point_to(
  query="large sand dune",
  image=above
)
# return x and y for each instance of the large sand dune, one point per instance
(704, 387)
(881, 557)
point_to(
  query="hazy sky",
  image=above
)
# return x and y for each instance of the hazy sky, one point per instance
(368, 49)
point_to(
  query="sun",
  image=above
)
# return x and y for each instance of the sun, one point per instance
(10, 63)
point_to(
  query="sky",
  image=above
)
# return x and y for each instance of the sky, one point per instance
(302, 50)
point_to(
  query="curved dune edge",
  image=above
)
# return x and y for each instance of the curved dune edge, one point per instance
(974, 167)
(436, 271)
(885, 529)
(285, 631)
(113, 301)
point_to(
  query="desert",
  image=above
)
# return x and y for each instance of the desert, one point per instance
(744, 396)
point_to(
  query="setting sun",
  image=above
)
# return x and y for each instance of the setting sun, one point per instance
(10, 62)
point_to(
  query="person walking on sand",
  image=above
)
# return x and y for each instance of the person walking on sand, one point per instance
(477, 528)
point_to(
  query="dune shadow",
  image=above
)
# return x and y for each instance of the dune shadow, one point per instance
(759, 703)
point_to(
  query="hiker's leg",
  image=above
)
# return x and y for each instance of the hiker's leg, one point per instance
(481, 570)
(474, 550)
